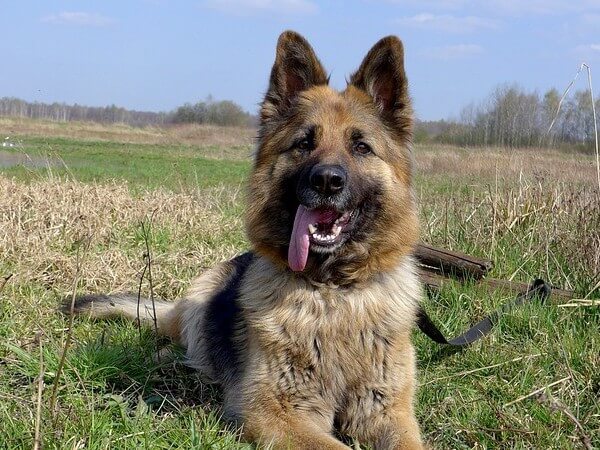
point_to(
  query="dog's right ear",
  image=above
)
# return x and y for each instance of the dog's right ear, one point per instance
(296, 69)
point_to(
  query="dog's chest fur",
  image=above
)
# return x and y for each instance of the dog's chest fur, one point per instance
(329, 349)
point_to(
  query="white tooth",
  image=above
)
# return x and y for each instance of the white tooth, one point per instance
(312, 228)
(336, 230)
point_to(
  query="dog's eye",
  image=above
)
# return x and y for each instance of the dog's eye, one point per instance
(362, 148)
(304, 145)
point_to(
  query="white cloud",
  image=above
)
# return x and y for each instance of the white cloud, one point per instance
(587, 53)
(245, 7)
(449, 52)
(587, 49)
(447, 23)
(78, 18)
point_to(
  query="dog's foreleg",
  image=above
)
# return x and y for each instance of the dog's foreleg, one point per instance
(283, 430)
(397, 429)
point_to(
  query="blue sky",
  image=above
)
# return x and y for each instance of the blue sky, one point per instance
(158, 54)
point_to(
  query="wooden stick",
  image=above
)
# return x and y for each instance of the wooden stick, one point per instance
(515, 286)
(453, 263)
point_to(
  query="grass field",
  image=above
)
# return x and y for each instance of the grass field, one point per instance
(77, 224)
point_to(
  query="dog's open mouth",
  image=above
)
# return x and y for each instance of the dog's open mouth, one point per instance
(319, 229)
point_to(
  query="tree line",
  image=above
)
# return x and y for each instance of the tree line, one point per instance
(513, 117)
(508, 117)
(223, 112)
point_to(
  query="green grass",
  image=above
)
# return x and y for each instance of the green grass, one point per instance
(113, 395)
(142, 165)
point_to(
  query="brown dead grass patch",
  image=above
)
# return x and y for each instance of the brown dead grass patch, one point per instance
(192, 134)
(42, 224)
(489, 164)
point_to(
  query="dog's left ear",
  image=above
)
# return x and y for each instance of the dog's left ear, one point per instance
(296, 69)
(382, 76)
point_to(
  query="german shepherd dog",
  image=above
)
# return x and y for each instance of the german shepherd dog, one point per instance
(309, 333)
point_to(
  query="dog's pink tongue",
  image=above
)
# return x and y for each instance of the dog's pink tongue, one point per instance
(299, 242)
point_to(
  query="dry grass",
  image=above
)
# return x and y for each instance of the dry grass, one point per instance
(43, 222)
(539, 207)
(204, 135)
(486, 165)
(534, 229)
(197, 135)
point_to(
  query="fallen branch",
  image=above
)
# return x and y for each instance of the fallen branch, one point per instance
(453, 263)
(579, 302)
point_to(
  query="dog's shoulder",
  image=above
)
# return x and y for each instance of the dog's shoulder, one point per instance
(220, 279)
(212, 323)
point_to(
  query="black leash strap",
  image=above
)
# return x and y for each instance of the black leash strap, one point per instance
(538, 289)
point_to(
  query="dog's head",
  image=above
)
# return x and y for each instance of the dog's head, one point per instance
(330, 192)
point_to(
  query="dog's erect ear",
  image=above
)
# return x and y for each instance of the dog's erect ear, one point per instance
(382, 76)
(296, 69)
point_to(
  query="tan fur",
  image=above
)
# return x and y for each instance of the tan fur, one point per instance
(329, 347)
(346, 346)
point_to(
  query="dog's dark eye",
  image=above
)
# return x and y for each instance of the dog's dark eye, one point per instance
(362, 148)
(304, 145)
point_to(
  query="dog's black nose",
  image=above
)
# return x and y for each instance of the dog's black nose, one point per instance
(327, 179)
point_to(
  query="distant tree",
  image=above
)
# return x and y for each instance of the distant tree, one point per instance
(223, 112)
(227, 113)
(512, 117)
(61, 112)
(551, 113)
(200, 111)
(184, 114)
